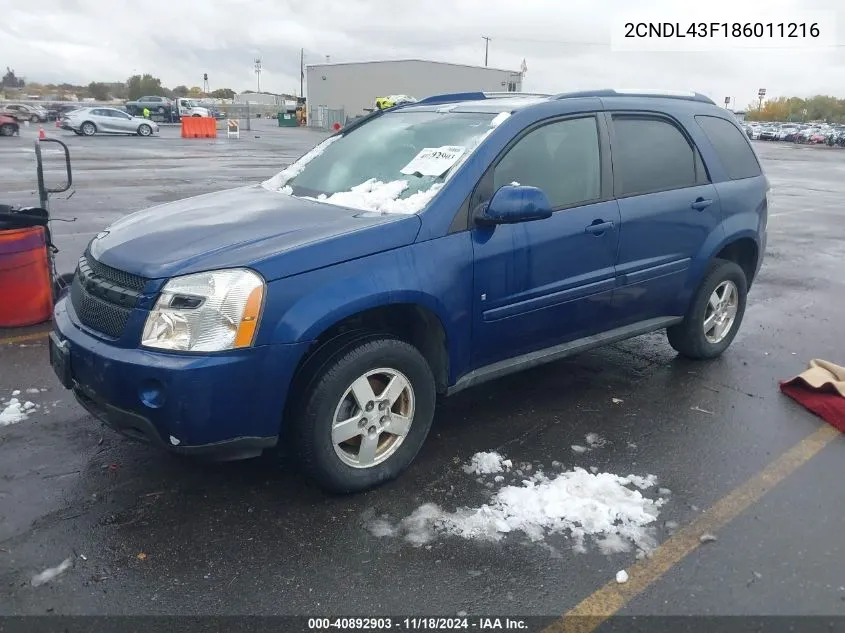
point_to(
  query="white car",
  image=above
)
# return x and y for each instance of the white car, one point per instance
(90, 121)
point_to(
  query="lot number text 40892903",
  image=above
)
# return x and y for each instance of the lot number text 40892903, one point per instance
(418, 624)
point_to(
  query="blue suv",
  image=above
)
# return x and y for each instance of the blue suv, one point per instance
(423, 249)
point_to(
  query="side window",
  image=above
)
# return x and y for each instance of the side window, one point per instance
(732, 147)
(561, 158)
(99, 112)
(651, 155)
(117, 114)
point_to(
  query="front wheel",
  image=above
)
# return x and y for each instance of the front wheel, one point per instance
(144, 130)
(88, 128)
(364, 413)
(715, 313)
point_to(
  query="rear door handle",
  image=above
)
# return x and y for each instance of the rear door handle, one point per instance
(598, 227)
(700, 204)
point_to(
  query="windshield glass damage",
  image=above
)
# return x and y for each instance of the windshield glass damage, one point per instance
(395, 163)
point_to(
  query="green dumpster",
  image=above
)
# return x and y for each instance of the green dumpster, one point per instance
(287, 119)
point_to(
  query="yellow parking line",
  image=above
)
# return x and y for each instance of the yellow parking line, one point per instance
(586, 616)
(11, 340)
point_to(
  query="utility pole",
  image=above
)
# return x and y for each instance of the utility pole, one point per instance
(258, 71)
(486, 47)
(301, 72)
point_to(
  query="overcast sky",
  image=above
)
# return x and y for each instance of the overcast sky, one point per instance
(566, 45)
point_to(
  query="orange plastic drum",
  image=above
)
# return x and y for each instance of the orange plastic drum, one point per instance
(26, 296)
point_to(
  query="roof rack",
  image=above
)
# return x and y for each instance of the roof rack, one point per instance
(475, 96)
(687, 95)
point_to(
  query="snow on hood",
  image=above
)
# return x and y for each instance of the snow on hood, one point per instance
(383, 197)
(277, 182)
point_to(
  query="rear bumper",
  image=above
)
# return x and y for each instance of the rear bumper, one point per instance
(225, 405)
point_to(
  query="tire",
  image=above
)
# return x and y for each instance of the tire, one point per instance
(34, 118)
(688, 338)
(160, 110)
(144, 130)
(88, 129)
(196, 115)
(326, 398)
(77, 132)
(7, 129)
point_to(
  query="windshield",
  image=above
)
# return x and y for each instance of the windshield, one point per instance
(191, 103)
(395, 163)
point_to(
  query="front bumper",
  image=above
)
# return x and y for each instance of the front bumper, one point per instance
(226, 406)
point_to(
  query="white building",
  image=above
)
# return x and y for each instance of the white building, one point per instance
(354, 87)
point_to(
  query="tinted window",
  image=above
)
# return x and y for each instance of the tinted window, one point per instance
(117, 114)
(99, 112)
(732, 147)
(651, 155)
(560, 158)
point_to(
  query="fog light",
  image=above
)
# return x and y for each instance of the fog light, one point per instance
(152, 393)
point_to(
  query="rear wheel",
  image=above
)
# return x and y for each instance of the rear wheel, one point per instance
(7, 129)
(88, 128)
(364, 413)
(144, 130)
(715, 313)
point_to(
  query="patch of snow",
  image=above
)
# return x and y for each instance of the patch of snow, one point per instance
(665, 492)
(381, 528)
(707, 538)
(577, 448)
(383, 197)
(515, 184)
(613, 544)
(50, 573)
(33, 390)
(13, 413)
(617, 400)
(575, 502)
(594, 440)
(671, 525)
(294, 169)
(594, 469)
(287, 190)
(16, 392)
(622, 577)
(499, 119)
(498, 479)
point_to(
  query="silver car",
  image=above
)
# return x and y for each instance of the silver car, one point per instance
(90, 121)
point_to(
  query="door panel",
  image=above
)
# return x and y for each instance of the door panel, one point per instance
(661, 233)
(668, 210)
(548, 281)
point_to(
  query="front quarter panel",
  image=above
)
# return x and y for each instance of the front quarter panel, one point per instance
(436, 274)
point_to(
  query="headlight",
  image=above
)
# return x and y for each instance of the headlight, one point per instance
(206, 312)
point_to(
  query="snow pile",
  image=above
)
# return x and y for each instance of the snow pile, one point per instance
(375, 195)
(487, 464)
(16, 411)
(593, 440)
(577, 503)
(294, 169)
(51, 573)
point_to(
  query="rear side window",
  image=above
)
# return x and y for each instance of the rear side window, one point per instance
(732, 147)
(651, 155)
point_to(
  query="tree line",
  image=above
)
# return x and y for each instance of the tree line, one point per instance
(133, 88)
(818, 108)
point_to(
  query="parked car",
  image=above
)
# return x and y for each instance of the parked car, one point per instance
(90, 121)
(23, 112)
(420, 251)
(9, 126)
(155, 104)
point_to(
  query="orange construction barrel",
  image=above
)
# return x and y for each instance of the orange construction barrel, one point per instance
(26, 293)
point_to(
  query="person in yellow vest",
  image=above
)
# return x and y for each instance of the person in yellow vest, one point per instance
(146, 113)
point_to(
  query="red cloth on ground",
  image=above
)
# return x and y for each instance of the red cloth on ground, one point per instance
(825, 402)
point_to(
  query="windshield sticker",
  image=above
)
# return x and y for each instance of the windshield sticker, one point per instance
(434, 161)
(499, 119)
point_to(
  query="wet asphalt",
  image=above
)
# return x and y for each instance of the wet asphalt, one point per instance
(150, 533)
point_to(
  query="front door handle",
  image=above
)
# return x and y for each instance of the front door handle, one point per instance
(598, 227)
(700, 204)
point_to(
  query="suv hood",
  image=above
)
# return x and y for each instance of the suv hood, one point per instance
(276, 234)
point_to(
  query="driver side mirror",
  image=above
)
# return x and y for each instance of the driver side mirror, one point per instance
(515, 203)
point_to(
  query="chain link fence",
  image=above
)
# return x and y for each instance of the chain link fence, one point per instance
(325, 118)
